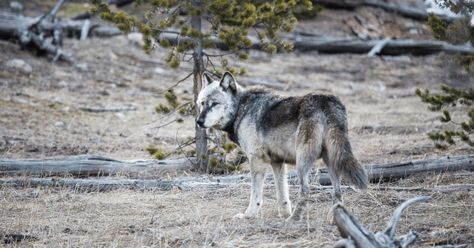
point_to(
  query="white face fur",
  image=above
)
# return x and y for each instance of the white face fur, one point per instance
(216, 102)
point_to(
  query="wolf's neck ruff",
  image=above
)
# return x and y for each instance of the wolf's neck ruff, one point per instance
(245, 101)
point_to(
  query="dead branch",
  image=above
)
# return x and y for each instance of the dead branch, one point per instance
(355, 235)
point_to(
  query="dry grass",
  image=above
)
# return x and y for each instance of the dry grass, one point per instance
(201, 218)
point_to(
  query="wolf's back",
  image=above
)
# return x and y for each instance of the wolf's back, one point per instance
(341, 159)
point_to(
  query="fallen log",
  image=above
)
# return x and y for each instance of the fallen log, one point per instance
(390, 47)
(392, 171)
(380, 172)
(88, 165)
(390, 6)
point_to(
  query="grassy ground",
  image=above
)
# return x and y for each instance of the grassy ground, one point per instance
(203, 218)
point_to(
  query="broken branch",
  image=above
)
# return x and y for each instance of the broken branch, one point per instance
(355, 235)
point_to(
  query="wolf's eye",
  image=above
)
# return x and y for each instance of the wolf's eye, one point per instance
(202, 103)
(214, 104)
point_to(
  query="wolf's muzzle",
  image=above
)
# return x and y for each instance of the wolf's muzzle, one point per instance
(200, 122)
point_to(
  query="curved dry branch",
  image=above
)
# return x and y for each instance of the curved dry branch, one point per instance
(390, 230)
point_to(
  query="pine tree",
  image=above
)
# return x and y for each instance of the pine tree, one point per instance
(196, 23)
(458, 32)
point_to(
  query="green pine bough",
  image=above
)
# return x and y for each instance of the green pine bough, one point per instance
(444, 102)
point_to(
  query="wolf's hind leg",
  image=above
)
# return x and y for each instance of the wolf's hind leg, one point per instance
(308, 150)
(257, 171)
(336, 183)
(281, 183)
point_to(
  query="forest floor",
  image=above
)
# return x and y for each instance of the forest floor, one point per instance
(46, 112)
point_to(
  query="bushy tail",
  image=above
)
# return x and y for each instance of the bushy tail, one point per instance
(341, 159)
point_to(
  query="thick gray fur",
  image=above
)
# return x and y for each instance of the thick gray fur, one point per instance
(279, 130)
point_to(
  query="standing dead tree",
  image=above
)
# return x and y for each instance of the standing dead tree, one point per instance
(355, 235)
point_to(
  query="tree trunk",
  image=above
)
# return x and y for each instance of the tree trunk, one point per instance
(201, 136)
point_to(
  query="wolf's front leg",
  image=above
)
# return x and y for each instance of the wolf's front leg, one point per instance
(257, 171)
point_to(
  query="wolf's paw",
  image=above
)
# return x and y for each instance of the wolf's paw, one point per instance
(243, 216)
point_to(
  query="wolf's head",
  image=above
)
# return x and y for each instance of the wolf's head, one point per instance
(217, 101)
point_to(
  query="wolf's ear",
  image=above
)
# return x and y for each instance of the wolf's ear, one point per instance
(206, 80)
(228, 82)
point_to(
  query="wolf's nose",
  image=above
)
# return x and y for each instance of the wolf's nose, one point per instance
(200, 122)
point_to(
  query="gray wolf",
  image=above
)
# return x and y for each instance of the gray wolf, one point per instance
(281, 130)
